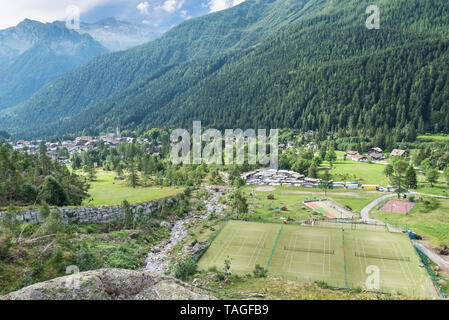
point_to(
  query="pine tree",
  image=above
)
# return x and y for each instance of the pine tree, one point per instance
(411, 180)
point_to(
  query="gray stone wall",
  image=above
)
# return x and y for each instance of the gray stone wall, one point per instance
(98, 214)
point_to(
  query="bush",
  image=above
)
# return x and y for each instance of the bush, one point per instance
(127, 214)
(259, 272)
(8, 220)
(322, 285)
(122, 259)
(5, 243)
(431, 204)
(86, 259)
(52, 224)
(44, 210)
(185, 268)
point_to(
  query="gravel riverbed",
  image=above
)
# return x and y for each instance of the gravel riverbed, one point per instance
(157, 260)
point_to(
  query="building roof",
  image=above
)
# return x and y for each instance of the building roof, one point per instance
(399, 152)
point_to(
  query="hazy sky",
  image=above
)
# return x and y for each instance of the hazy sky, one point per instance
(150, 12)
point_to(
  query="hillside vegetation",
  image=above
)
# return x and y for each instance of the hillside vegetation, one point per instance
(297, 64)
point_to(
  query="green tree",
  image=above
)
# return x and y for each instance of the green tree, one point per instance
(432, 176)
(398, 177)
(127, 214)
(331, 156)
(91, 172)
(446, 173)
(326, 182)
(389, 170)
(133, 177)
(312, 172)
(239, 203)
(410, 179)
(52, 192)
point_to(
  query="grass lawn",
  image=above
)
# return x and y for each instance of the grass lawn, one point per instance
(363, 172)
(260, 208)
(440, 188)
(107, 191)
(309, 254)
(433, 224)
(433, 138)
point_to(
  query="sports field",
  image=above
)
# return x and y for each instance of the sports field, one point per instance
(307, 254)
(398, 206)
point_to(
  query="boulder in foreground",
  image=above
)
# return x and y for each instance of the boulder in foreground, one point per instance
(110, 284)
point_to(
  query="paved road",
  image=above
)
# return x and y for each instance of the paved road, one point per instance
(443, 264)
(365, 211)
(430, 195)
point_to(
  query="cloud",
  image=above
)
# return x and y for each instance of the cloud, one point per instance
(143, 7)
(13, 12)
(172, 5)
(218, 5)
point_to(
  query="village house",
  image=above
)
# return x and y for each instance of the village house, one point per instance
(399, 152)
(312, 145)
(355, 156)
(374, 150)
(376, 153)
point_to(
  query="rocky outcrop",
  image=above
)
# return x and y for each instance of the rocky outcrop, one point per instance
(110, 284)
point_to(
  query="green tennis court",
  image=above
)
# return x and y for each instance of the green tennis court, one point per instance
(308, 254)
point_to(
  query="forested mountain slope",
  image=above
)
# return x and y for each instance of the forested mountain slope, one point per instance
(33, 54)
(321, 69)
(103, 77)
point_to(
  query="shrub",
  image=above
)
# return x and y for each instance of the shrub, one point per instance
(44, 210)
(5, 243)
(8, 220)
(127, 214)
(122, 259)
(185, 268)
(52, 224)
(259, 272)
(86, 259)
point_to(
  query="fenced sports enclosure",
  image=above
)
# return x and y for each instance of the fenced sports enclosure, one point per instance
(338, 254)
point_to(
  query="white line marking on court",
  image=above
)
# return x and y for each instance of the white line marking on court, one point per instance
(225, 247)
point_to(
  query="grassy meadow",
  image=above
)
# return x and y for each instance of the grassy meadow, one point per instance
(349, 170)
(106, 191)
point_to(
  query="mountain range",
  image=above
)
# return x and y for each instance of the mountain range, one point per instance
(33, 54)
(303, 64)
